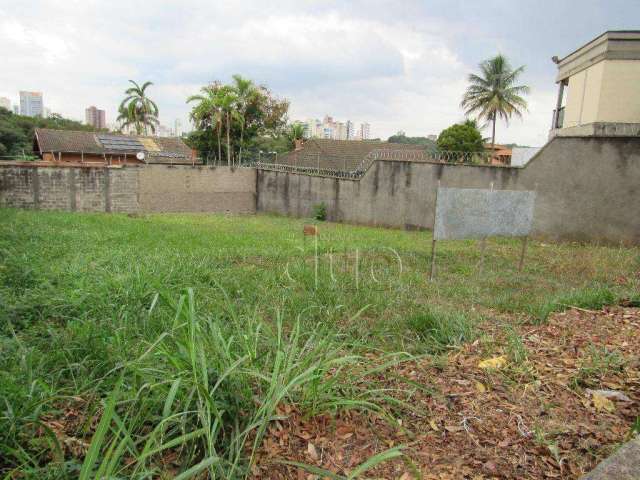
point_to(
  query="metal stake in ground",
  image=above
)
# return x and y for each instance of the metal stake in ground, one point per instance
(483, 247)
(524, 249)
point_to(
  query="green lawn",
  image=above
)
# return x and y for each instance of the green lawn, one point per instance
(183, 333)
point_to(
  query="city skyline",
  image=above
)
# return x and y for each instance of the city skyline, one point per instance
(333, 129)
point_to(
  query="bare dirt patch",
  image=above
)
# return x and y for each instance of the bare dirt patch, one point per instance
(564, 395)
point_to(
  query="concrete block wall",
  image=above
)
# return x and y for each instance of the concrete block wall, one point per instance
(73, 188)
(180, 188)
(131, 189)
(18, 187)
(588, 189)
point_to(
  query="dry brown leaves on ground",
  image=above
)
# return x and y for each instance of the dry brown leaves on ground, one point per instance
(550, 401)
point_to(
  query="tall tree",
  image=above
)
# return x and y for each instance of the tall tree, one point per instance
(138, 109)
(207, 113)
(246, 113)
(494, 93)
(459, 140)
(228, 99)
(246, 93)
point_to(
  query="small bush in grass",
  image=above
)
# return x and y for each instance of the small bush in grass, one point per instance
(441, 328)
(320, 212)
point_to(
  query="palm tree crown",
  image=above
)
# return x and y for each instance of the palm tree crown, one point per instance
(494, 92)
(138, 109)
(216, 107)
(296, 132)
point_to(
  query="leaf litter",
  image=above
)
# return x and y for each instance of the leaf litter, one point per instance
(486, 413)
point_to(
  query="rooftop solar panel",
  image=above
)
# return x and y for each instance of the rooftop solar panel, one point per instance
(112, 143)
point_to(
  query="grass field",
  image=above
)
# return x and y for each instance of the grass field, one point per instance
(180, 336)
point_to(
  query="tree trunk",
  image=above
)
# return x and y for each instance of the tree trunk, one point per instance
(219, 141)
(493, 133)
(228, 140)
(241, 136)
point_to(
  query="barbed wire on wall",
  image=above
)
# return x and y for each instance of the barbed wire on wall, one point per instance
(333, 165)
(354, 167)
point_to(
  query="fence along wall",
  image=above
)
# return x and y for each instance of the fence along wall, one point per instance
(151, 188)
(587, 189)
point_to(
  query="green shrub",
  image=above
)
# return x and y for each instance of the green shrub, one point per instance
(320, 212)
(463, 137)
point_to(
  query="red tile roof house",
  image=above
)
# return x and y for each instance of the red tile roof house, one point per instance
(346, 155)
(94, 148)
(498, 154)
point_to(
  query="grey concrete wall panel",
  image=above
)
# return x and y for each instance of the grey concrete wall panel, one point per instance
(468, 213)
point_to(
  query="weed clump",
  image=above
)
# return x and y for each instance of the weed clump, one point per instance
(441, 329)
(320, 212)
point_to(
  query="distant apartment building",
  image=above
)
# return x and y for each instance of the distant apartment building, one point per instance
(177, 128)
(16, 109)
(31, 104)
(351, 130)
(331, 129)
(340, 131)
(95, 117)
(365, 131)
(5, 103)
(163, 131)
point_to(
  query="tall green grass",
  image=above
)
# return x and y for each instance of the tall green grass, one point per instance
(180, 336)
(440, 329)
(207, 386)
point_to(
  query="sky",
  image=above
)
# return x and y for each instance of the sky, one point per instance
(398, 65)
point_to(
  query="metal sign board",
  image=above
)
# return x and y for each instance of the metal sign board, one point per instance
(468, 213)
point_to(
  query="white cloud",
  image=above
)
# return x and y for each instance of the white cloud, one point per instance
(394, 71)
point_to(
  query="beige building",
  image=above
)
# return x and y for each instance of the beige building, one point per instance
(95, 117)
(600, 82)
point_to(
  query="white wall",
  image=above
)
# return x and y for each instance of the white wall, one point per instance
(521, 155)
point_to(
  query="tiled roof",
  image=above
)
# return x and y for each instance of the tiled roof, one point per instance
(67, 141)
(157, 149)
(337, 154)
(487, 146)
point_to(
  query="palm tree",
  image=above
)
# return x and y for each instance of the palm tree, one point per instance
(227, 99)
(245, 92)
(208, 112)
(494, 92)
(296, 132)
(138, 110)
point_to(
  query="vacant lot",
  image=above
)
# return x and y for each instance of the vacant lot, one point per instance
(198, 345)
